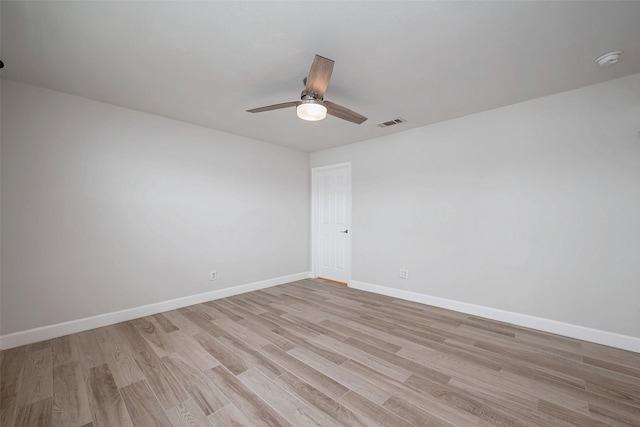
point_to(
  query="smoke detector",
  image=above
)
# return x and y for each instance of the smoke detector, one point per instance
(609, 58)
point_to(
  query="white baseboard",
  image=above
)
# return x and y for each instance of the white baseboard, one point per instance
(65, 328)
(611, 339)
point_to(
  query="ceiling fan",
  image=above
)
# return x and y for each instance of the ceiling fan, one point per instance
(312, 106)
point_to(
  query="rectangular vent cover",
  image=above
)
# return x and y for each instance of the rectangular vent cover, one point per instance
(393, 122)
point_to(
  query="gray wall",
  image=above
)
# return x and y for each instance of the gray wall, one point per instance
(105, 209)
(532, 208)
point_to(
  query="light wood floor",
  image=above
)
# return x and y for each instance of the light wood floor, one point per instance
(311, 353)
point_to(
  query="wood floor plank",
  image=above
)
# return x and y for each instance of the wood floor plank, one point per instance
(37, 377)
(108, 407)
(545, 375)
(515, 343)
(489, 391)
(165, 323)
(343, 376)
(325, 404)
(123, 367)
(307, 342)
(164, 385)
(190, 347)
(10, 375)
(132, 338)
(187, 414)
(611, 354)
(524, 409)
(229, 416)
(446, 365)
(241, 332)
(224, 308)
(205, 311)
(355, 353)
(259, 412)
(260, 319)
(262, 297)
(202, 391)
(183, 324)
(144, 408)
(629, 393)
(315, 327)
(314, 377)
(11, 369)
(394, 335)
(222, 353)
(414, 395)
(362, 336)
(293, 409)
(70, 397)
(472, 356)
(251, 356)
(154, 335)
(552, 362)
(568, 415)
(401, 362)
(422, 335)
(465, 402)
(316, 353)
(203, 323)
(37, 346)
(8, 409)
(106, 334)
(63, 350)
(35, 414)
(90, 351)
(414, 414)
(239, 302)
(534, 338)
(264, 331)
(611, 366)
(312, 312)
(261, 302)
(377, 415)
(567, 396)
(613, 417)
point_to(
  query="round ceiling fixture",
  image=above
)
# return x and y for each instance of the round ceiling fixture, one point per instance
(609, 58)
(311, 110)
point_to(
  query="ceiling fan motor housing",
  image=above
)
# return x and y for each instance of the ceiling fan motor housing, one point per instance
(306, 95)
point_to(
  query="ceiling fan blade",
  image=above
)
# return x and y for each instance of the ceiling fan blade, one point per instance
(274, 107)
(319, 75)
(344, 113)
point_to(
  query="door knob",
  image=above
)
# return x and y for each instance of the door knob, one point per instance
(345, 231)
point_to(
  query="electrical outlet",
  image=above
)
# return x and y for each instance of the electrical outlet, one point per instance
(404, 273)
(213, 275)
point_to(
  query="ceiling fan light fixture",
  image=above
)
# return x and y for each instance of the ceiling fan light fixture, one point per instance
(311, 110)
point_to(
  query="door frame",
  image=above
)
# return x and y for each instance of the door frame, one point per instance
(315, 173)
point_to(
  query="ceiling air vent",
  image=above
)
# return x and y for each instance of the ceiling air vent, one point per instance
(393, 122)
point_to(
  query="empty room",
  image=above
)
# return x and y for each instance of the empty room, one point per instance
(319, 213)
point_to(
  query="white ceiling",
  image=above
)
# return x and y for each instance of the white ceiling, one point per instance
(207, 62)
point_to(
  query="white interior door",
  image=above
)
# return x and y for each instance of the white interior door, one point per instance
(332, 222)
